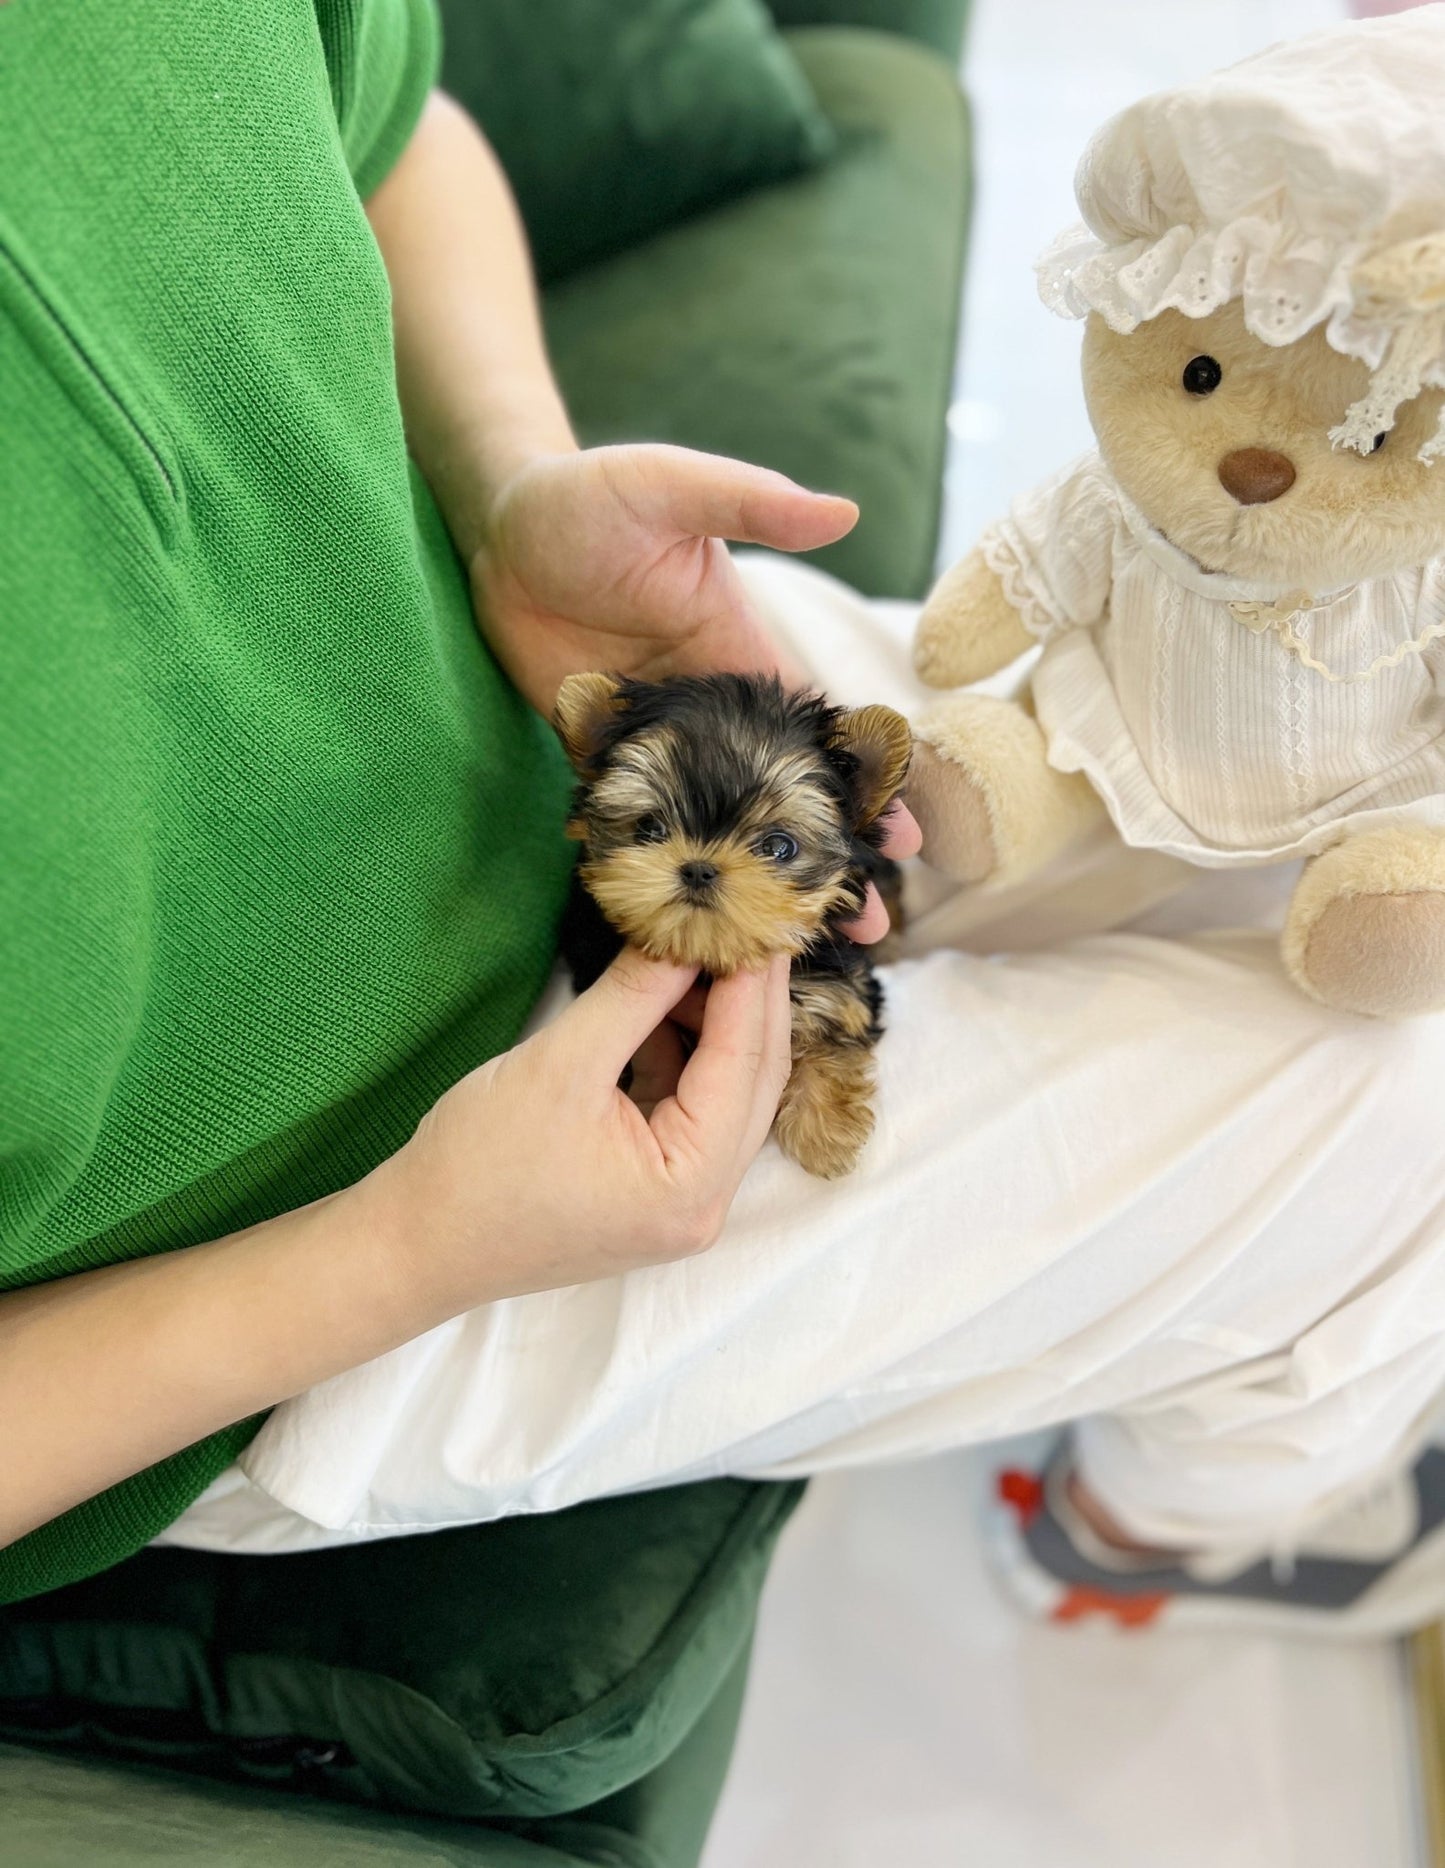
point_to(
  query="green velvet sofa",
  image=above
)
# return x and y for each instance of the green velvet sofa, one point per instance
(559, 1690)
(810, 326)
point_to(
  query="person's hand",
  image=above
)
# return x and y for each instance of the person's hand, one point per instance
(537, 1171)
(613, 558)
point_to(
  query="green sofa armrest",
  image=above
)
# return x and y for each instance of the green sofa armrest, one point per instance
(937, 23)
(64, 1811)
(568, 1681)
(69, 1812)
(811, 327)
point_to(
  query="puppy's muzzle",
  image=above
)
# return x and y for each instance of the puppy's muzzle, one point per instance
(698, 879)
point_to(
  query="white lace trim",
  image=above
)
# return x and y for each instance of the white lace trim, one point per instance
(1388, 310)
(1261, 618)
(1005, 558)
(1414, 361)
(1287, 287)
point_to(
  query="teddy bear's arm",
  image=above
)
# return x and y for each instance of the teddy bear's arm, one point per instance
(989, 804)
(968, 627)
(1365, 929)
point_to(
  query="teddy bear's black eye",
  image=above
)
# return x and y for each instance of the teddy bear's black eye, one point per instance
(1378, 443)
(1202, 376)
(777, 846)
(649, 830)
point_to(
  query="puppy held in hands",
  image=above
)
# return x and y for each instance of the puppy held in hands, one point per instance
(724, 821)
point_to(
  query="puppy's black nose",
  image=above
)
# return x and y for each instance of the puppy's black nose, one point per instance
(697, 876)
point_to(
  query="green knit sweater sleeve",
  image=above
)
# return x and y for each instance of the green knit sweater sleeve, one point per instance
(382, 57)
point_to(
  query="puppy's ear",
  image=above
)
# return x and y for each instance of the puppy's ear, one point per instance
(882, 743)
(586, 710)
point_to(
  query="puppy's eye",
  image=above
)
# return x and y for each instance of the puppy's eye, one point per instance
(777, 846)
(649, 830)
(1202, 376)
(1377, 444)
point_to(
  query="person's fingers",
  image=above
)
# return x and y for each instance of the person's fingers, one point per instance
(902, 837)
(777, 1057)
(604, 1026)
(872, 923)
(689, 1010)
(708, 496)
(716, 1093)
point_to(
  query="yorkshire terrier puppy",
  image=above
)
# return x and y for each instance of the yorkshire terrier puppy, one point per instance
(724, 821)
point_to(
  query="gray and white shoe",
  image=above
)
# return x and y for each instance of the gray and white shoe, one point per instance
(1374, 1569)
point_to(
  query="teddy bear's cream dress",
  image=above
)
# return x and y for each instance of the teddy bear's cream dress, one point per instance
(1222, 722)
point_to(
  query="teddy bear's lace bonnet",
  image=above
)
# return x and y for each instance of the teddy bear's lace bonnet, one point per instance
(1308, 182)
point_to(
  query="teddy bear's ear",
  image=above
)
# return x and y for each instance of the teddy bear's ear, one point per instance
(882, 743)
(1409, 276)
(586, 711)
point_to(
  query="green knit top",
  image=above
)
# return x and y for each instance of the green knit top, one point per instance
(280, 849)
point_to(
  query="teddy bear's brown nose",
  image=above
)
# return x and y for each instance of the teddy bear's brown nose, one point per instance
(1254, 476)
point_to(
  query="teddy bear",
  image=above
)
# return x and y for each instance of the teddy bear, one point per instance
(1238, 599)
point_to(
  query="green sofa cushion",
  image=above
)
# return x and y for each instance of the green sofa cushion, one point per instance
(518, 1669)
(615, 119)
(811, 327)
(939, 23)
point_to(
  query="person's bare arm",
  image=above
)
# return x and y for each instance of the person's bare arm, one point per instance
(608, 557)
(476, 387)
(534, 1171)
(104, 1373)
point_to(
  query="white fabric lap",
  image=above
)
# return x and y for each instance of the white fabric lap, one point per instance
(1131, 1177)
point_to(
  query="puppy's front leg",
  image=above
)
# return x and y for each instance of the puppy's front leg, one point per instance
(827, 1108)
(826, 1114)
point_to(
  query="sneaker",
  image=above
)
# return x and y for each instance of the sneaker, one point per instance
(1375, 1569)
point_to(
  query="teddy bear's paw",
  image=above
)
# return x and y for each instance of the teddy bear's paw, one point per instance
(988, 802)
(1379, 955)
(949, 803)
(1365, 931)
(967, 628)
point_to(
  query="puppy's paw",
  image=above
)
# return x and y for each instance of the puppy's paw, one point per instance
(826, 1115)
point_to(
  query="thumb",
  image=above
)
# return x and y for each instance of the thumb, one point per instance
(710, 496)
(608, 1022)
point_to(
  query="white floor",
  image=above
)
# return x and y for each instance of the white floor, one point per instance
(900, 1715)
